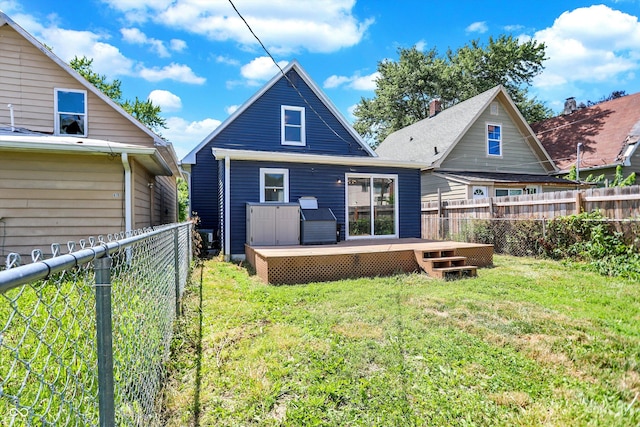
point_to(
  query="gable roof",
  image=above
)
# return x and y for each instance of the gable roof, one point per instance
(609, 134)
(431, 140)
(293, 65)
(157, 140)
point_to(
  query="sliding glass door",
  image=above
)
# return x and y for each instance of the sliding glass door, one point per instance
(372, 205)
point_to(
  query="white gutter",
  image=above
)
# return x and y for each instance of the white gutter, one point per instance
(227, 208)
(128, 213)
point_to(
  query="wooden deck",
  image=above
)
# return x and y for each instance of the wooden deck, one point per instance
(350, 259)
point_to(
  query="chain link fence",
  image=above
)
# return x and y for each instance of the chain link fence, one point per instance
(84, 336)
(528, 237)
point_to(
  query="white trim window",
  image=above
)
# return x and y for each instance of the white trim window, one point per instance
(372, 206)
(292, 125)
(494, 139)
(70, 109)
(274, 185)
(500, 192)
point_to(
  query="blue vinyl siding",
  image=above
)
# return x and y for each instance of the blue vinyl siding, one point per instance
(320, 181)
(258, 127)
(204, 189)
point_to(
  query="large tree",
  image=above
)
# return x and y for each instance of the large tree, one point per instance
(406, 87)
(144, 111)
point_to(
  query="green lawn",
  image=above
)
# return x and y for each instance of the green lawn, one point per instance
(528, 342)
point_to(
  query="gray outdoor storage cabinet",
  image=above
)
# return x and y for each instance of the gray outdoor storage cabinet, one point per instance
(273, 224)
(317, 225)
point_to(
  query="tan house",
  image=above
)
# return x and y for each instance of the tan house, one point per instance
(478, 148)
(73, 163)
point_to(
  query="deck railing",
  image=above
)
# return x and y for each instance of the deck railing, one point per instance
(84, 336)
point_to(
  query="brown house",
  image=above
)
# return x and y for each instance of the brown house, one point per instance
(73, 163)
(604, 135)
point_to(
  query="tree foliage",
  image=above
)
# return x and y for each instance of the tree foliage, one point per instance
(406, 87)
(144, 111)
(619, 180)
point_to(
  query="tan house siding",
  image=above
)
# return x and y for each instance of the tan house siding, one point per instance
(470, 154)
(167, 193)
(55, 198)
(27, 81)
(142, 208)
(449, 190)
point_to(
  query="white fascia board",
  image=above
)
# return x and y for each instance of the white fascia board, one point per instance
(74, 145)
(271, 156)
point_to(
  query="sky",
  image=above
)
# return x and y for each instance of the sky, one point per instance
(199, 62)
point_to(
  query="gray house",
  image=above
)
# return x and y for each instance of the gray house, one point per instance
(481, 147)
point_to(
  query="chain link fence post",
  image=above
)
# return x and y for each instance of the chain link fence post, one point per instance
(104, 334)
(176, 268)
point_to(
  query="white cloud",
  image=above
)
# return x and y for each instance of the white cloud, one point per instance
(186, 135)
(226, 60)
(177, 45)
(421, 45)
(357, 82)
(590, 44)
(477, 27)
(284, 26)
(135, 36)
(335, 81)
(177, 72)
(166, 100)
(261, 69)
(231, 109)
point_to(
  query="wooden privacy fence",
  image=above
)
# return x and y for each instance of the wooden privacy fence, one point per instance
(616, 203)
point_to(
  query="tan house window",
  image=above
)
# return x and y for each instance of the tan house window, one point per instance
(70, 112)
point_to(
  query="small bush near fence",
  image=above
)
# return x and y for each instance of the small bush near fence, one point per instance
(611, 247)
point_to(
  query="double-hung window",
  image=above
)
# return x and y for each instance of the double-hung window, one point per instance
(494, 139)
(274, 185)
(292, 125)
(70, 112)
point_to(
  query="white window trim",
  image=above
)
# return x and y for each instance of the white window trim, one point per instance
(396, 205)
(486, 136)
(285, 172)
(56, 113)
(303, 138)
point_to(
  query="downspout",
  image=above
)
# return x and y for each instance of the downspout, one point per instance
(227, 208)
(13, 122)
(128, 216)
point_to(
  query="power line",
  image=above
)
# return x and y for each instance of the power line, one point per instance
(285, 75)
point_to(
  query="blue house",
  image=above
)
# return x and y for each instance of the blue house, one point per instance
(289, 142)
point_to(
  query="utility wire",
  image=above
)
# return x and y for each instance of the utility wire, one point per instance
(285, 76)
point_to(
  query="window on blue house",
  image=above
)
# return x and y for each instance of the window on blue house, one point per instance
(293, 125)
(70, 112)
(274, 185)
(494, 139)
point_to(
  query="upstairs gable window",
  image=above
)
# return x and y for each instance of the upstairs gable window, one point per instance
(70, 112)
(293, 125)
(494, 139)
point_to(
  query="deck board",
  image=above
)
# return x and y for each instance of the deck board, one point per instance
(354, 258)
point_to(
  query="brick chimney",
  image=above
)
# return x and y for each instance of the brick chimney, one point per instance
(435, 106)
(569, 106)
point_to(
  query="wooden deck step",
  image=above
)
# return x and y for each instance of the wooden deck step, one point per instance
(444, 264)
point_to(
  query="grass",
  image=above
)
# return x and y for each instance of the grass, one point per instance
(528, 342)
